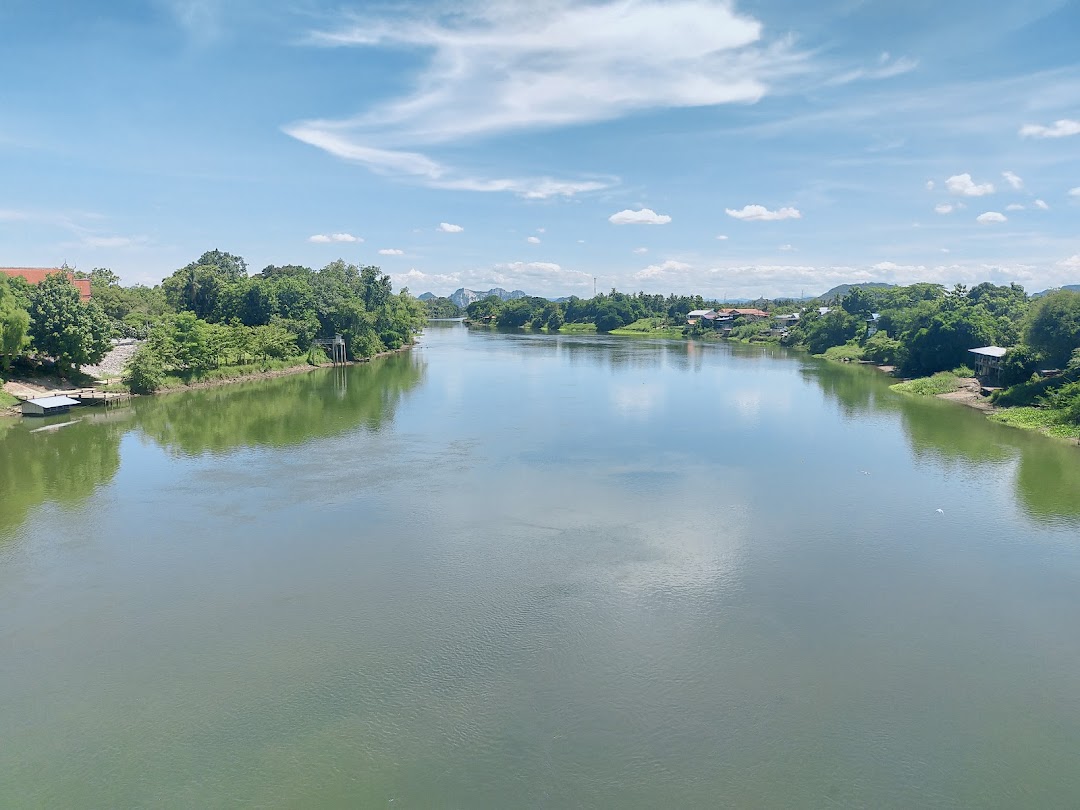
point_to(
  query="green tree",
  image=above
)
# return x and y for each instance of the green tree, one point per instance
(64, 328)
(14, 324)
(144, 372)
(1053, 327)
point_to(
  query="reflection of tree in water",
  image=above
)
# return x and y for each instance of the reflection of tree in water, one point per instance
(857, 389)
(1048, 479)
(284, 411)
(64, 465)
(951, 432)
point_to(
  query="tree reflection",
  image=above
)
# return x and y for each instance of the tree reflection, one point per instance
(281, 412)
(64, 463)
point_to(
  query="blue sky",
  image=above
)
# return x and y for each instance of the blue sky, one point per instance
(732, 149)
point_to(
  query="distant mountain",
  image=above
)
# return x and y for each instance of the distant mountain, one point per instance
(1069, 287)
(840, 290)
(464, 297)
(426, 296)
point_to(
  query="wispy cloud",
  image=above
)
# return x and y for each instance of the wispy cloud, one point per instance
(533, 240)
(643, 216)
(325, 239)
(759, 213)
(1059, 129)
(447, 227)
(391, 252)
(506, 67)
(885, 68)
(1013, 180)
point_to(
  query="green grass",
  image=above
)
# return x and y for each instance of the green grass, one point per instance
(577, 329)
(1045, 420)
(177, 380)
(652, 327)
(944, 382)
(849, 351)
(7, 400)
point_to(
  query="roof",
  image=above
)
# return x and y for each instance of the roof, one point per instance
(36, 275)
(697, 313)
(759, 313)
(989, 351)
(53, 402)
(791, 316)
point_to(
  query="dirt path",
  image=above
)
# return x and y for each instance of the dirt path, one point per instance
(970, 395)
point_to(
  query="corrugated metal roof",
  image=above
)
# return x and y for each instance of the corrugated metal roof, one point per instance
(53, 402)
(697, 313)
(989, 351)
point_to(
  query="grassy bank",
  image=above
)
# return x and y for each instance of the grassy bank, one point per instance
(6, 399)
(944, 382)
(577, 329)
(1045, 420)
(653, 327)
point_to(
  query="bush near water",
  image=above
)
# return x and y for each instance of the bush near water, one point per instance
(207, 316)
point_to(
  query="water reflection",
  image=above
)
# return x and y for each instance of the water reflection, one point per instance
(288, 411)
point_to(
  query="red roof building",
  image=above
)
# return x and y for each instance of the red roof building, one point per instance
(35, 275)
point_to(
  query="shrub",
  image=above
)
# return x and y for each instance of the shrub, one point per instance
(144, 372)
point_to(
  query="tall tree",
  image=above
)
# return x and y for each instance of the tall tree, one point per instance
(74, 333)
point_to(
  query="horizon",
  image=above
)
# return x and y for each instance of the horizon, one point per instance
(745, 150)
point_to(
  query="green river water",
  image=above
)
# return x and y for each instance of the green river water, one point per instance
(506, 571)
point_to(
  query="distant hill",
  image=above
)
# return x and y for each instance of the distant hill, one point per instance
(426, 296)
(464, 297)
(1069, 287)
(840, 290)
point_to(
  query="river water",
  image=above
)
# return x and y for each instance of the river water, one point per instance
(527, 571)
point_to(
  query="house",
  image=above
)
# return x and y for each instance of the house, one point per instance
(749, 315)
(787, 321)
(872, 324)
(47, 406)
(695, 315)
(988, 361)
(35, 275)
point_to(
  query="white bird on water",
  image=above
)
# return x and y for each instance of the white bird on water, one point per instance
(941, 511)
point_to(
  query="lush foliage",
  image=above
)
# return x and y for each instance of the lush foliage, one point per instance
(63, 327)
(14, 321)
(442, 308)
(943, 382)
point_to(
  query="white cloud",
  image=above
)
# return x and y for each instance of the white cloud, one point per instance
(644, 216)
(322, 238)
(1040, 204)
(665, 269)
(447, 227)
(391, 252)
(944, 208)
(759, 213)
(422, 169)
(541, 230)
(945, 250)
(991, 216)
(722, 237)
(962, 184)
(1059, 129)
(929, 185)
(533, 240)
(786, 248)
(1074, 192)
(1014, 207)
(641, 250)
(886, 68)
(1013, 180)
(418, 279)
(1071, 263)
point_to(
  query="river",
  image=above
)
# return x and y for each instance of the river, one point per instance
(529, 571)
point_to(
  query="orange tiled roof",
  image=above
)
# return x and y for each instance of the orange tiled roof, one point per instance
(35, 275)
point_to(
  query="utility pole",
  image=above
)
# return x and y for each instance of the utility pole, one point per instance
(594, 286)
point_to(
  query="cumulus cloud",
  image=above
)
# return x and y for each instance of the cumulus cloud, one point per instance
(759, 213)
(644, 216)
(963, 185)
(533, 240)
(929, 185)
(1040, 204)
(991, 216)
(1014, 207)
(391, 252)
(1071, 263)
(1059, 129)
(447, 227)
(663, 270)
(322, 238)
(722, 237)
(641, 250)
(944, 208)
(1013, 180)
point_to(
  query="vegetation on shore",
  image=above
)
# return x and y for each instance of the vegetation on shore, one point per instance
(208, 320)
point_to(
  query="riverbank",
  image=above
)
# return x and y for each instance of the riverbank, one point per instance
(14, 391)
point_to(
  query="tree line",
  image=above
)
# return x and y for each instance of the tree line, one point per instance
(208, 314)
